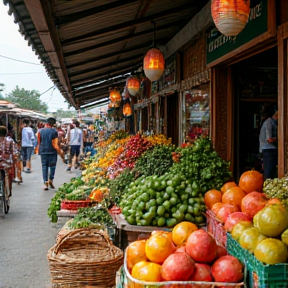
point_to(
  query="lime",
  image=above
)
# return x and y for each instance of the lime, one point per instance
(170, 189)
(161, 210)
(173, 201)
(161, 221)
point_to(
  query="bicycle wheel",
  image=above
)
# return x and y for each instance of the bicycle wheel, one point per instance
(3, 205)
(6, 193)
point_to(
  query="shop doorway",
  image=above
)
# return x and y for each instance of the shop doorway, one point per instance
(173, 118)
(255, 87)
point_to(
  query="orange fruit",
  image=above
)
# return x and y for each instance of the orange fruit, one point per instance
(146, 271)
(135, 253)
(181, 232)
(159, 246)
(211, 197)
(234, 197)
(227, 186)
(216, 207)
(251, 181)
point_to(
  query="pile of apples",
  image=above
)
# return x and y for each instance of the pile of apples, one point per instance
(185, 254)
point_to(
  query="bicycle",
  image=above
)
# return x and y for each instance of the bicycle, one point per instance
(4, 192)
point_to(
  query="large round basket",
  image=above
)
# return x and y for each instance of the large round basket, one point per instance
(84, 258)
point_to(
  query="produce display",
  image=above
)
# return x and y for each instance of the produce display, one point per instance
(170, 180)
(176, 195)
(197, 258)
(256, 220)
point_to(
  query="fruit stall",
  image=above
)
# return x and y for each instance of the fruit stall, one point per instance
(163, 205)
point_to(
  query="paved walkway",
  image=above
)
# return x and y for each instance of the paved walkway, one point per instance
(26, 233)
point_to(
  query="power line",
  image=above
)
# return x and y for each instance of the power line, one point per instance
(47, 90)
(5, 74)
(19, 60)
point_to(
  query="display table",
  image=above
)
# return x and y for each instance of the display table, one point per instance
(66, 213)
(128, 233)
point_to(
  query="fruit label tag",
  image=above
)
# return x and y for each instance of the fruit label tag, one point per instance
(255, 280)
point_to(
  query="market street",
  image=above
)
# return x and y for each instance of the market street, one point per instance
(26, 233)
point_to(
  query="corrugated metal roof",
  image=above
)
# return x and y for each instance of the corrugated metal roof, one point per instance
(84, 42)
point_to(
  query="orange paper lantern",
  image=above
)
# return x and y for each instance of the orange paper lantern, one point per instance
(154, 64)
(133, 85)
(127, 109)
(114, 96)
(230, 16)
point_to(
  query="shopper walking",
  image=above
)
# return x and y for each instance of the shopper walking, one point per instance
(269, 144)
(27, 144)
(75, 138)
(48, 149)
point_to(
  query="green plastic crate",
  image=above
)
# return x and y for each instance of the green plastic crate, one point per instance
(259, 275)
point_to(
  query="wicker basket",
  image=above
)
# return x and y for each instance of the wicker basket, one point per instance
(84, 258)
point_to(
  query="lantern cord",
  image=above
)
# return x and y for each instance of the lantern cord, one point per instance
(154, 33)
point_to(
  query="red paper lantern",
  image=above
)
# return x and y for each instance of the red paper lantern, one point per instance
(127, 109)
(114, 96)
(153, 64)
(133, 85)
(230, 16)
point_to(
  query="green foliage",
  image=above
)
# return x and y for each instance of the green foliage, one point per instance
(155, 161)
(27, 99)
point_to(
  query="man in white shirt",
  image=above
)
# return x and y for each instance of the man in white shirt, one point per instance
(27, 143)
(75, 138)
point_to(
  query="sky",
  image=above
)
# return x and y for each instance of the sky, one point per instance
(27, 76)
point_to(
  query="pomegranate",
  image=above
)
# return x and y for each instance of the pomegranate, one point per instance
(252, 203)
(227, 269)
(202, 272)
(221, 251)
(225, 211)
(235, 218)
(180, 249)
(178, 266)
(201, 246)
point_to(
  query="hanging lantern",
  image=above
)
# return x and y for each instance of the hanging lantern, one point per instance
(127, 109)
(114, 96)
(230, 16)
(154, 64)
(133, 85)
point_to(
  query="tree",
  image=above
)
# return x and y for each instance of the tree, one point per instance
(27, 99)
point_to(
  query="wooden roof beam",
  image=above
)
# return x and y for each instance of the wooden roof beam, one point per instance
(119, 39)
(125, 25)
(70, 18)
(134, 57)
(116, 53)
(102, 77)
(106, 84)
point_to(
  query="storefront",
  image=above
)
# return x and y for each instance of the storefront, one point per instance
(245, 78)
(195, 90)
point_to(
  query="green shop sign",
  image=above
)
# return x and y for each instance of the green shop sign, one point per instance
(219, 45)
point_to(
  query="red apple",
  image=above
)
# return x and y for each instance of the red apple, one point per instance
(253, 203)
(234, 218)
(225, 211)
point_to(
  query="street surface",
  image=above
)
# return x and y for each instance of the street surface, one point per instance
(26, 233)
